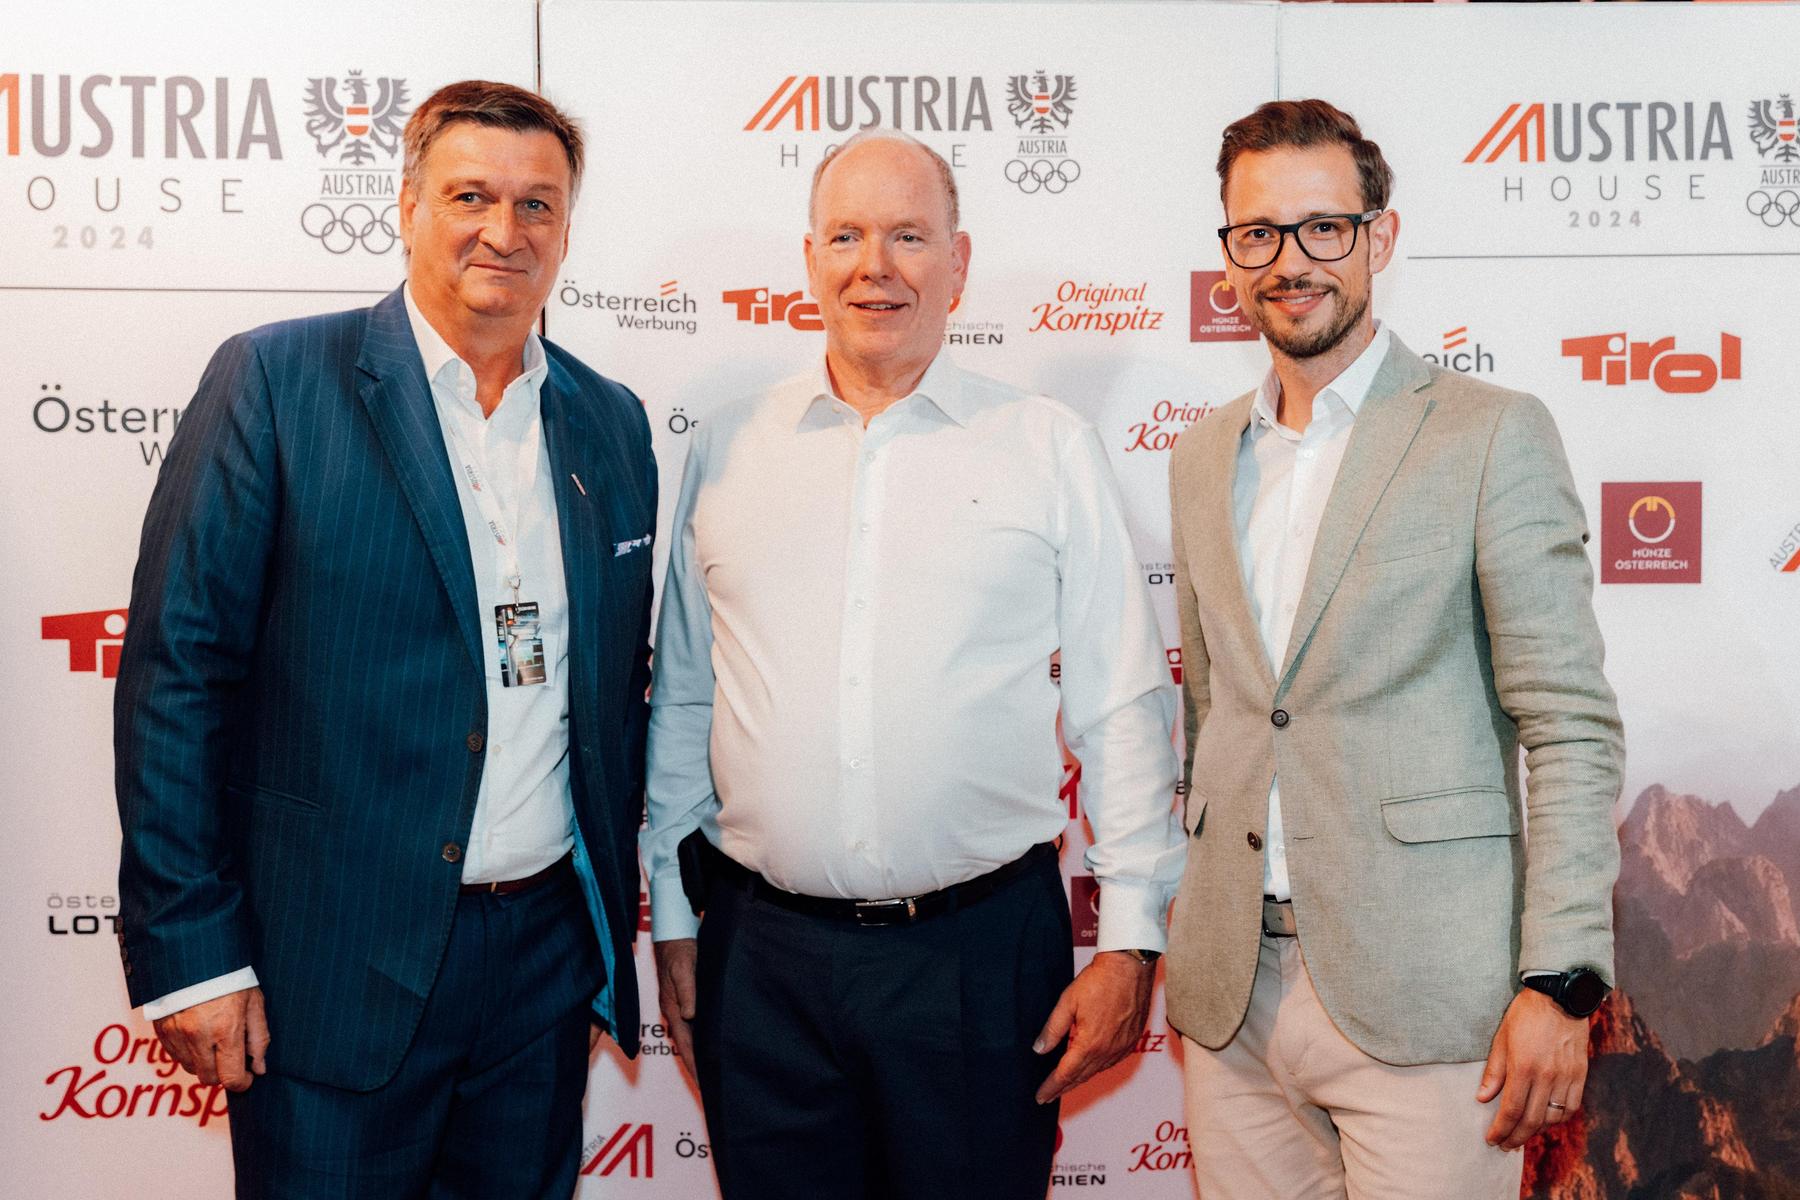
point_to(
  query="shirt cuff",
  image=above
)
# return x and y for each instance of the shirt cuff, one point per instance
(211, 989)
(1133, 916)
(671, 916)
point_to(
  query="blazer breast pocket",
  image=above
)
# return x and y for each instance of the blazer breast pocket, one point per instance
(1443, 816)
(1398, 544)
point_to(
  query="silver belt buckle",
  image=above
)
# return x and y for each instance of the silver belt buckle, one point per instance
(871, 908)
(1283, 923)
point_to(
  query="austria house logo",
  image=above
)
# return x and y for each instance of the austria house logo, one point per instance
(1776, 200)
(1785, 557)
(1650, 532)
(356, 125)
(1040, 105)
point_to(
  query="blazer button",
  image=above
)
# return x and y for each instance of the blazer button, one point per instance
(1255, 842)
(452, 852)
(475, 742)
(1279, 718)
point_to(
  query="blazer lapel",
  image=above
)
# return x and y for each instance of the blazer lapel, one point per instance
(566, 439)
(1384, 429)
(1217, 534)
(397, 396)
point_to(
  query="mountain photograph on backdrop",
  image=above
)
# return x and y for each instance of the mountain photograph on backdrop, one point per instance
(1694, 1082)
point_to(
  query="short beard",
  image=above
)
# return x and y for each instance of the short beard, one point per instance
(1325, 340)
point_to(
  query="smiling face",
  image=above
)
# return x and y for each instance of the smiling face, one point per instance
(486, 224)
(882, 260)
(1306, 308)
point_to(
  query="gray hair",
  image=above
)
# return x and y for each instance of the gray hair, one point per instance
(878, 133)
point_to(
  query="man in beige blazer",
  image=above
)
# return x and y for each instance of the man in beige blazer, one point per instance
(1382, 981)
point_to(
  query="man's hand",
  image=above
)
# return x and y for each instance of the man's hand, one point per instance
(1102, 1013)
(1539, 1056)
(675, 993)
(222, 1040)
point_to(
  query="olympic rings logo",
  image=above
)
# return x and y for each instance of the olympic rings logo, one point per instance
(1773, 210)
(357, 225)
(1041, 174)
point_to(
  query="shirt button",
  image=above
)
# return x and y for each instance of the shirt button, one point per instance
(861, 603)
(864, 527)
(869, 457)
(475, 742)
(860, 847)
(855, 679)
(856, 764)
(1255, 842)
(1279, 718)
(452, 852)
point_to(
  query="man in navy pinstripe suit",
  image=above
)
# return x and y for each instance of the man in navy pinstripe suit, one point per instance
(380, 715)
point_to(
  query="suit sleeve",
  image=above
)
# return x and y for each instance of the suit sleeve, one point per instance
(196, 598)
(1196, 664)
(1537, 598)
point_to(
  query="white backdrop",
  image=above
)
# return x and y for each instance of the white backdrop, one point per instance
(1092, 279)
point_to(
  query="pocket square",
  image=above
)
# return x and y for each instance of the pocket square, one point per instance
(624, 548)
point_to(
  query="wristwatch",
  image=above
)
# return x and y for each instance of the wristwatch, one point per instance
(1579, 992)
(1147, 957)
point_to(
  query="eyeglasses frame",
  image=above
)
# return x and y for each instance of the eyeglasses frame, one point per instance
(1357, 221)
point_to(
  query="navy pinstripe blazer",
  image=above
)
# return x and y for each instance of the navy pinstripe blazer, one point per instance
(300, 718)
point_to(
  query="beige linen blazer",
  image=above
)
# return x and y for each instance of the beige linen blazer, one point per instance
(1446, 621)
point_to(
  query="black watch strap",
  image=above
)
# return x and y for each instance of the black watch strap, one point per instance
(1579, 992)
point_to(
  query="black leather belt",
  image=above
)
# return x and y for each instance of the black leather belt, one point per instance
(901, 910)
(1278, 918)
(512, 887)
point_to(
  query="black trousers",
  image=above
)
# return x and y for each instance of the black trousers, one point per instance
(839, 1062)
(486, 1104)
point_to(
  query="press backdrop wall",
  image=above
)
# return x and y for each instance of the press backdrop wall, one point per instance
(1600, 205)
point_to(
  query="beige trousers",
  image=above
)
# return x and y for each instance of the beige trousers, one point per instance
(1292, 1110)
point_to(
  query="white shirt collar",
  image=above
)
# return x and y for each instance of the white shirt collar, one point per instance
(943, 385)
(446, 370)
(1350, 388)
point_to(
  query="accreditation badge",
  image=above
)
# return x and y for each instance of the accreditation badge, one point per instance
(521, 640)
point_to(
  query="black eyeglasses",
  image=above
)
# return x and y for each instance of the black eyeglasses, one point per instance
(1323, 238)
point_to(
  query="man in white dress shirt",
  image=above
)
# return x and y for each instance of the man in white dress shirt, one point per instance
(853, 740)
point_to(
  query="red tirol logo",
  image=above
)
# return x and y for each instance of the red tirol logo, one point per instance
(95, 639)
(1213, 312)
(761, 306)
(1614, 359)
(1084, 909)
(1650, 532)
(630, 1146)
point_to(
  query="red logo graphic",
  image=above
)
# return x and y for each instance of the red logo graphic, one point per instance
(1168, 1151)
(1650, 532)
(1615, 359)
(1174, 656)
(1526, 132)
(1786, 557)
(1084, 909)
(760, 306)
(1160, 432)
(1213, 312)
(95, 639)
(623, 1148)
(119, 1087)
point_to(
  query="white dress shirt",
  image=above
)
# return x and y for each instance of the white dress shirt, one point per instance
(852, 691)
(523, 813)
(1278, 499)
